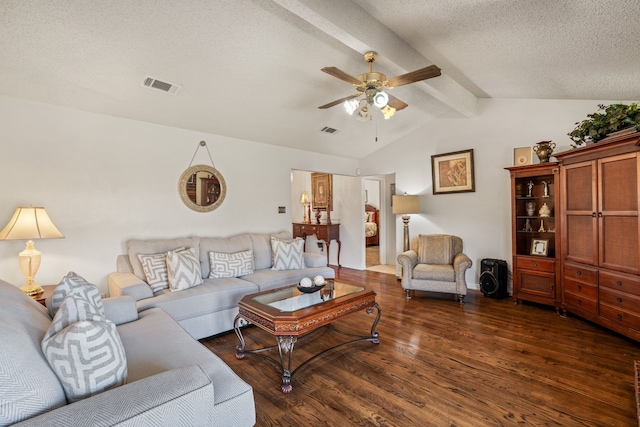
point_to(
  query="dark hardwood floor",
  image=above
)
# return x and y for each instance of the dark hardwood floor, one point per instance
(487, 363)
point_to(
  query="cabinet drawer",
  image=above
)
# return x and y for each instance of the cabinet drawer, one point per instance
(586, 304)
(620, 300)
(580, 272)
(620, 282)
(615, 314)
(580, 288)
(541, 264)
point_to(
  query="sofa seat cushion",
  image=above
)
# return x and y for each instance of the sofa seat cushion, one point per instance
(211, 296)
(442, 273)
(29, 385)
(267, 279)
(156, 343)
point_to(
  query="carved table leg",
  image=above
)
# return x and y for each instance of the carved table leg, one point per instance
(236, 328)
(285, 345)
(374, 334)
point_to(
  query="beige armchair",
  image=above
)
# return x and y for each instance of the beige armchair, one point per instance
(435, 263)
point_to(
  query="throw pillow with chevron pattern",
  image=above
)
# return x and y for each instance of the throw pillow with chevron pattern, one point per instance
(84, 349)
(183, 269)
(287, 254)
(230, 265)
(155, 270)
(73, 283)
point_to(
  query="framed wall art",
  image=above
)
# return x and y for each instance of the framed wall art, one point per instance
(539, 247)
(453, 172)
(322, 191)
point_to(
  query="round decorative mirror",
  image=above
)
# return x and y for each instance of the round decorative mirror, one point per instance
(202, 188)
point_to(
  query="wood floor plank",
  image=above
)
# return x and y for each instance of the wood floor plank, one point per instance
(486, 363)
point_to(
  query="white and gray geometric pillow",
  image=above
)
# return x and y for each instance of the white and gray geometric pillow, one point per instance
(230, 265)
(84, 349)
(183, 269)
(287, 254)
(72, 283)
(155, 270)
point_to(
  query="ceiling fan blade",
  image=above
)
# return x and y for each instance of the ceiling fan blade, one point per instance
(414, 76)
(335, 72)
(396, 103)
(339, 101)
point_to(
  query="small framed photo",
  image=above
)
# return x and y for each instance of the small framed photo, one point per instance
(522, 156)
(539, 247)
(453, 172)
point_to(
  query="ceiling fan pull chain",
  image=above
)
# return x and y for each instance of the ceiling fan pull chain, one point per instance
(202, 144)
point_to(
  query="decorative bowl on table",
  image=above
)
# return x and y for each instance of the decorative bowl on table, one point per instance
(309, 286)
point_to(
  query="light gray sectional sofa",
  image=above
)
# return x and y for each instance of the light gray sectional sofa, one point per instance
(172, 379)
(209, 308)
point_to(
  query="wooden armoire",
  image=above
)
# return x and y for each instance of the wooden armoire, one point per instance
(600, 254)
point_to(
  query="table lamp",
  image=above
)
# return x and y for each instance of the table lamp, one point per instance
(304, 201)
(405, 205)
(30, 223)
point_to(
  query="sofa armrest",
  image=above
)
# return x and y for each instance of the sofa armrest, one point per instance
(120, 309)
(408, 260)
(121, 284)
(461, 263)
(168, 398)
(314, 260)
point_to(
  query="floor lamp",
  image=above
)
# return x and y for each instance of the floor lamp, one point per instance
(405, 205)
(28, 224)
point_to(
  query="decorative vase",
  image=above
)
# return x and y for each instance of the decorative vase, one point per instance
(318, 216)
(531, 208)
(543, 150)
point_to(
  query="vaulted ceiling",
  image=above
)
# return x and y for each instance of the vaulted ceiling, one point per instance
(250, 69)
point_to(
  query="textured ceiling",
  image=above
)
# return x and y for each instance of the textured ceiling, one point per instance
(250, 69)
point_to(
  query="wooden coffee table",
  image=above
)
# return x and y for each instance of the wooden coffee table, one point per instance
(289, 314)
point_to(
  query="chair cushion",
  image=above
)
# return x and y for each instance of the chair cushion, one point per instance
(439, 272)
(436, 249)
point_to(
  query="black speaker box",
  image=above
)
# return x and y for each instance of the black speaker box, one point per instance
(493, 278)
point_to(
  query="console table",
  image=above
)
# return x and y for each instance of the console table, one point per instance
(323, 231)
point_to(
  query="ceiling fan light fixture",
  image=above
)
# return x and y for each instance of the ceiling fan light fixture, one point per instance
(363, 114)
(388, 112)
(351, 105)
(380, 99)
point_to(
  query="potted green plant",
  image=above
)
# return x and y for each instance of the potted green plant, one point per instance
(614, 117)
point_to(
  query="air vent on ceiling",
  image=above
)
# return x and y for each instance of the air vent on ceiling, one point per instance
(329, 130)
(153, 83)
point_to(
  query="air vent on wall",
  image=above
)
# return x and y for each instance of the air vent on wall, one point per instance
(329, 130)
(153, 83)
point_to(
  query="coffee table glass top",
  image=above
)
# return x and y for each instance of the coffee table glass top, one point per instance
(291, 299)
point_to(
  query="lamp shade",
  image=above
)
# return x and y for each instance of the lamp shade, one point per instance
(304, 199)
(30, 223)
(403, 205)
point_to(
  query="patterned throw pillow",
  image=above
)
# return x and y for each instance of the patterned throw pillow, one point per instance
(230, 265)
(155, 270)
(84, 349)
(183, 269)
(72, 283)
(287, 254)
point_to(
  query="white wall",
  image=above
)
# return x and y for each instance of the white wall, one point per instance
(482, 218)
(104, 180)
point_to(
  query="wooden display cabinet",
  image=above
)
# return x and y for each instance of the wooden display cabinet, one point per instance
(601, 232)
(534, 233)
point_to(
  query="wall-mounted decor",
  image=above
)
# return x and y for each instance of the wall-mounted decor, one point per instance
(522, 156)
(453, 172)
(322, 191)
(202, 187)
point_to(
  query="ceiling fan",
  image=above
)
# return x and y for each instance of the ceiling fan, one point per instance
(372, 86)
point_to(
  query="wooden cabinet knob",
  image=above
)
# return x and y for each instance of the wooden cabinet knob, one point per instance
(535, 264)
(579, 287)
(619, 283)
(619, 316)
(579, 302)
(579, 273)
(619, 299)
